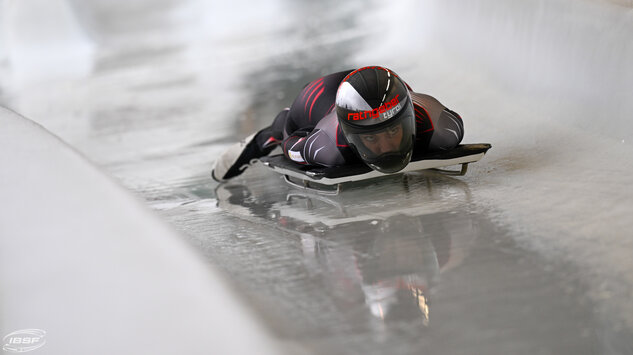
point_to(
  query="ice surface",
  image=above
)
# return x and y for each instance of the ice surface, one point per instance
(88, 264)
(539, 230)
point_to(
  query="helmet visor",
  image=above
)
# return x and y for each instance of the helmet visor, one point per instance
(387, 149)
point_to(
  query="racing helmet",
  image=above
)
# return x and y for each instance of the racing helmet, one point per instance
(375, 113)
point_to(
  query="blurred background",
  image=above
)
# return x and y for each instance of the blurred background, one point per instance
(527, 253)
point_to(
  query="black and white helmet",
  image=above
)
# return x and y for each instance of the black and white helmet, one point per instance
(376, 116)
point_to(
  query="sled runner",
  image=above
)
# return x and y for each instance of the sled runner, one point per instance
(322, 179)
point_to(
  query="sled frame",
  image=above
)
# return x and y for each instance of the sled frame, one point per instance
(324, 181)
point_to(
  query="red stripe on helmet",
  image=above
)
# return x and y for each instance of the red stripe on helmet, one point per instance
(365, 68)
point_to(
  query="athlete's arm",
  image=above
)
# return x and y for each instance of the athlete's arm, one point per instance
(438, 128)
(314, 148)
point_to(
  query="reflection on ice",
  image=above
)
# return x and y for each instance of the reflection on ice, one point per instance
(395, 272)
(384, 257)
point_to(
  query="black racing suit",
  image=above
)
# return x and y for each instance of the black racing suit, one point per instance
(309, 132)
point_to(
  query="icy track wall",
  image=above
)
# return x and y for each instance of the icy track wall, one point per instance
(90, 265)
(567, 58)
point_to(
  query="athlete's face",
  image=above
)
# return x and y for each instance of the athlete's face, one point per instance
(385, 141)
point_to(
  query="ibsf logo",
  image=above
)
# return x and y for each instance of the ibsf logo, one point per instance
(388, 110)
(24, 340)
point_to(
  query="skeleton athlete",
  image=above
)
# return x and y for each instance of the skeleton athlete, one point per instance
(365, 115)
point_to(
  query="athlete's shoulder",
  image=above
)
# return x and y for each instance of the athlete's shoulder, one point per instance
(425, 100)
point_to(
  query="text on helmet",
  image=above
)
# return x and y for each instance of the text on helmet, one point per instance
(387, 110)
